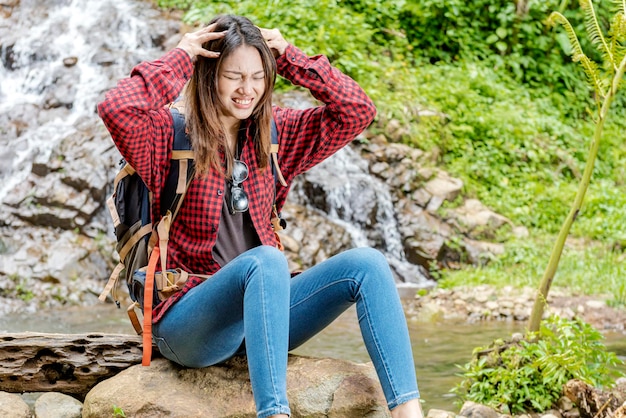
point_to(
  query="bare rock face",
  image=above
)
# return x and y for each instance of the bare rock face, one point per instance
(316, 388)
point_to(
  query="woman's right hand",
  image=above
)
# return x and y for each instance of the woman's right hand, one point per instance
(192, 42)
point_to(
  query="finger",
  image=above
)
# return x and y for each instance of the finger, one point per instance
(209, 36)
(209, 54)
(266, 34)
(211, 27)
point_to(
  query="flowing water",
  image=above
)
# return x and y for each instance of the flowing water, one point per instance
(437, 348)
(37, 42)
(362, 204)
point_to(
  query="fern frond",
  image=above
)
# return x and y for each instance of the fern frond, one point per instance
(617, 35)
(620, 6)
(590, 68)
(557, 18)
(593, 76)
(594, 31)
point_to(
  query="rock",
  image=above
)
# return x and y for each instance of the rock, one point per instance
(445, 187)
(595, 304)
(480, 252)
(474, 410)
(574, 413)
(57, 405)
(12, 406)
(430, 312)
(565, 404)
(440, 413)
(620, 412)
(474, 217)
(316, 387)
(593, 402)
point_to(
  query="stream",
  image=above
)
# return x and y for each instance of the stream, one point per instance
(437, 349)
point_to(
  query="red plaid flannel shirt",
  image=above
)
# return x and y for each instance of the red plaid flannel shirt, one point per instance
(141, 126)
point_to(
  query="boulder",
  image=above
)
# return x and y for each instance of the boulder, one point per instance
(475, 410)
(316, 388)
(57, 405)
(12, 406)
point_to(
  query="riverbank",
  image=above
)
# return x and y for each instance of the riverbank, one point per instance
(445, 326)
(488, 303)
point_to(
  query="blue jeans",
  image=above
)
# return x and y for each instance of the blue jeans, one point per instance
(252, 305)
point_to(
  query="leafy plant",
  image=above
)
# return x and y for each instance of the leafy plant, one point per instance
(528, 374)
(118, 412)
(605, 84)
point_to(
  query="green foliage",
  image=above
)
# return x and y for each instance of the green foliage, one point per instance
(511, 37)
(529, 374)
(345, 39)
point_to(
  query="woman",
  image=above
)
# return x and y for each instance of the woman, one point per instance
(251, 305)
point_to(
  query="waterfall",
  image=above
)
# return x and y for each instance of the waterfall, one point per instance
(59, 57)
(362, 204)
(56, 66)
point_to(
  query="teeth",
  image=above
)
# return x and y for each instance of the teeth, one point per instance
(242, 101)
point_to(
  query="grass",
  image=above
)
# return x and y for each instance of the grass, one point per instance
(586, 267)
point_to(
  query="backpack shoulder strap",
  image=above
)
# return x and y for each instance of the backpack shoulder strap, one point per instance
(277, 222)
(274, 155)
(182, 168)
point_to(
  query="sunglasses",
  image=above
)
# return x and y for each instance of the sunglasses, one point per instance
(238, 198)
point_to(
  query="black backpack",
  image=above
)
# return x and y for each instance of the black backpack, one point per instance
(137, 235)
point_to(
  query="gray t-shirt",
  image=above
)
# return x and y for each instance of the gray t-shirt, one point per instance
(235, 233)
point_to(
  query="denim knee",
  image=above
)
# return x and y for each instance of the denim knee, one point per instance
(266, 256)
(271, 255)
(370, 261)
(368, 256)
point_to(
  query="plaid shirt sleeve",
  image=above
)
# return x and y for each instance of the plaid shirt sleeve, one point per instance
(307, 137)
(134, 113)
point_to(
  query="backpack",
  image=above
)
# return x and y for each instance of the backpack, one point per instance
(141, 243)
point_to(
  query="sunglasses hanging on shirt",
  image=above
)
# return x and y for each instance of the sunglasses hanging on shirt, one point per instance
(238, 201)
(238, 197)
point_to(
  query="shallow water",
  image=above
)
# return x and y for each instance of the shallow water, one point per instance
(437, 347)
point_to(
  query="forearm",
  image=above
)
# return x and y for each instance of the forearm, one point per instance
(134, 113)
(346, 102)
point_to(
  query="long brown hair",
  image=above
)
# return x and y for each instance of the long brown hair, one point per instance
(204, 126)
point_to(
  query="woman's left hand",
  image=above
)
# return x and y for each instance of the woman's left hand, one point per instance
(274, 39)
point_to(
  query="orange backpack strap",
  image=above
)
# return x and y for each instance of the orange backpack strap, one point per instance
(147, 307)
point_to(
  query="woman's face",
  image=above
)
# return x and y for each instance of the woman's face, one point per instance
(240, 84)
